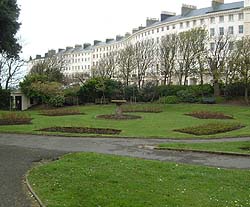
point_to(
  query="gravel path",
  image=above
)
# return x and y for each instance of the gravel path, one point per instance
(18, 152)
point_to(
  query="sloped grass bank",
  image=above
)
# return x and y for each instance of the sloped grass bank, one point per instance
(90, 180)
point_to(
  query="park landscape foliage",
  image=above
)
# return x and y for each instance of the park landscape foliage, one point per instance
(100, 180)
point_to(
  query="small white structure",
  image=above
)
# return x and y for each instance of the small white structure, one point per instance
(20, 102)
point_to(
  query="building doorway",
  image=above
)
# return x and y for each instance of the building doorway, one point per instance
(18, 103)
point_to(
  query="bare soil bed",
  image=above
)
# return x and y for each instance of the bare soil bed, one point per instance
(212, 128)
(114, 117)
(82, 130)
(61, 112)
(208, 115)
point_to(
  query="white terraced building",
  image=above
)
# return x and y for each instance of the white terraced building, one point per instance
(219, 18)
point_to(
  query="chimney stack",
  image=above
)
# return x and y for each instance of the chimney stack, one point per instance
(127, 34)
(86, 45)
(51, 53)
(216, 3)
(165, 15)
(38, 56)
(109, 40)
(185, 9)
(69, 48)
(78, 46)
(141, 27)
(60, 50)
(135, 30)
(151, 21)
(118, 37)
(96, 42)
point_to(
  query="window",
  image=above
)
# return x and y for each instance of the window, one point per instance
(162, 29)
(187, 24)
(241, 16)
(231, 30)
(167, 27)
(181, 25)
(173, 26)
(202, 21)
(194, 23)
(212, 32)
(221, 19)
(221, 30)
(231, 17)
(212, 20)
(153, 31)
(241, 29)
(157, 30)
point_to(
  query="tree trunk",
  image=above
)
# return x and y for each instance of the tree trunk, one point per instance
(165, 79)
(202, 83)
(216, 88)
(246, 95)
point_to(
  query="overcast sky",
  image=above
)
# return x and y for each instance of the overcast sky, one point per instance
(53, 24)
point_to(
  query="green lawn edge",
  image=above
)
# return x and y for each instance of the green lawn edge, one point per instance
(220, 148)
(90, 179)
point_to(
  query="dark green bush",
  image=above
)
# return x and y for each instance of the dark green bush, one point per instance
(235, 89)
(97, 88)
(208, 100)
(187, 96)
(170, 90)
(57, 101)
(169, 100)
(4, 99)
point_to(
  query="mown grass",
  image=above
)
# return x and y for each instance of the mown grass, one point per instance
(232, 147)
(91, 180)
(151, 125)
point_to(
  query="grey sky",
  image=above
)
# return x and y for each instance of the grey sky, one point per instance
(53, 24)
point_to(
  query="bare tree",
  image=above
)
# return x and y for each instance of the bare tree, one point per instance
(200, 69)
(241, 59)
(106, 66)
(52, 67)
(11, 70)
(187, 54)
(76, 78)
(144, 59)
(217, 57)
(126, 63)
(167, 56)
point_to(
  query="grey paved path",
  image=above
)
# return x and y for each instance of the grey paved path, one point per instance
(14, 163)
(17, 152)
(126, 147)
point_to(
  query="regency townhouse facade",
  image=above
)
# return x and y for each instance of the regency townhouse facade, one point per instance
(220, 18)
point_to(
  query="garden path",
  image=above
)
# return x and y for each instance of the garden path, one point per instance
(19, 152)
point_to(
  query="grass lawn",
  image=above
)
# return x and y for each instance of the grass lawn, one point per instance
(237, 147)
(92, 180)
(156, 125)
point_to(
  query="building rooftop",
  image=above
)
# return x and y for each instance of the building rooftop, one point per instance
(191, 13)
